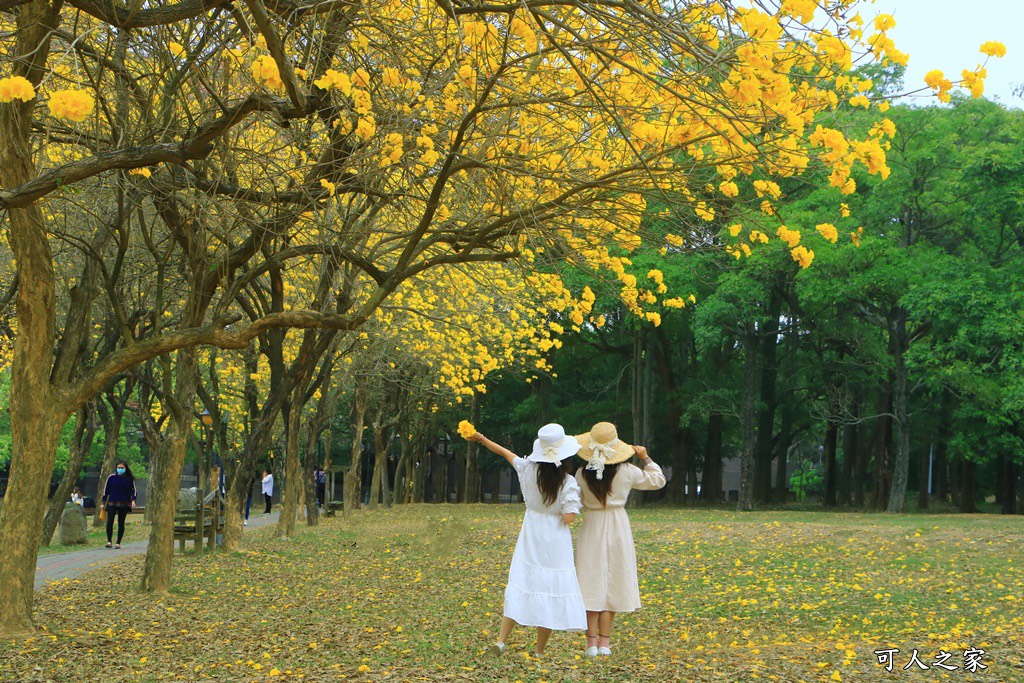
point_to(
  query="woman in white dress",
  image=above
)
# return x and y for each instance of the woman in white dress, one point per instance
(606, 557)
(542, 589)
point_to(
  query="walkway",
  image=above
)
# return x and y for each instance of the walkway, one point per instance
(71, 565)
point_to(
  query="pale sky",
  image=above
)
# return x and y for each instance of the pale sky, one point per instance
(946, 34)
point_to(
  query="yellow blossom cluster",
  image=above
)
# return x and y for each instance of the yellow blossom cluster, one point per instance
(790, 237)
(972, 80)
(16, 88)
(265, 72)
(803, 256)
(466, 429)
(828, 231)
(74, 105)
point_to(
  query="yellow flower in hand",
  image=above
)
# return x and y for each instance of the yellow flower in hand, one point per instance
(466, 429)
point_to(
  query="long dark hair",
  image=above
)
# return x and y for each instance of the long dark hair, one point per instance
(127, 470)
(601, 487)
(550, 478)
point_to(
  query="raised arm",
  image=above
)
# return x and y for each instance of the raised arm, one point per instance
(652, 478)
(493, 447)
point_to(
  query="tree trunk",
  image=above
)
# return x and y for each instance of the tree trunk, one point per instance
(954, 482)
(421, 465)
(460, 482)
(831, 438)
(941, 463)
(711, 483)
(243, 478)
(379, 480)
(312, 509)
(780, 492)
(691, 475)
(85, 430)
(901, 398)
(472, 471)
(406, 472)
(637, 392)
(766, 408)
(542, 388)
(1020, 488)
(1008, 485)
(882, 448)
(748, 417)
(494, 477)
(860, 472)
(923, 476)
(293, 489)
(353, 477)
(967, 493)
(441, 480)
(21, 516)
(682, 440)
(36, 414)
(162, 494)
(292, 467)
(850, 454)
(647, 435)
(999, 490)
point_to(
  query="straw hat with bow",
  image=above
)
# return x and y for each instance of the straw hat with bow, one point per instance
(601, 446)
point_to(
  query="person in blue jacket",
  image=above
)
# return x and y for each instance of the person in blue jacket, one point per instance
(118, 499)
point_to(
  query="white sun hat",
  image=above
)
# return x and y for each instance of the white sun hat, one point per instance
(552, 445)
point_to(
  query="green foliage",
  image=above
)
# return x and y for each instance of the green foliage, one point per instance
(942, 248)
(127, 449)
(808, 480)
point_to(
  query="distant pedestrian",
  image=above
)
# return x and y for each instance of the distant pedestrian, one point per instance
(118, 500)
(268, 489)
(320, 479)
(76, 496)
(248, 499)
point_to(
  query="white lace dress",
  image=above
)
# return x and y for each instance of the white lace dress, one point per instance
(542, 588)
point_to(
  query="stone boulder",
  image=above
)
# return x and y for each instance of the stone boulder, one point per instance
(72, 525)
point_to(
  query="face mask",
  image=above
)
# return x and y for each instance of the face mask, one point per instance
(120, 470)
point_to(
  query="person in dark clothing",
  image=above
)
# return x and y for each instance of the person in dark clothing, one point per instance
(118, 499)
(320, 479)
(248, 500)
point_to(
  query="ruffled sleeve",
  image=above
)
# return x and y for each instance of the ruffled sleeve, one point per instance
(650, 478)
(520, 464)
(571, 503)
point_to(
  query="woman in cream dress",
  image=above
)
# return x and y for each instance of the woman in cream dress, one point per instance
(605, 555)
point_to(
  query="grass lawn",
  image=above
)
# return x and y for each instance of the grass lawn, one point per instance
(415, 594)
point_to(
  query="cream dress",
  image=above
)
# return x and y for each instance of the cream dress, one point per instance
(542, 589)
(605, 556)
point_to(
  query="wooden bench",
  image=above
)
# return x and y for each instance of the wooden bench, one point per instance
(333, 506)
(205, 521)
